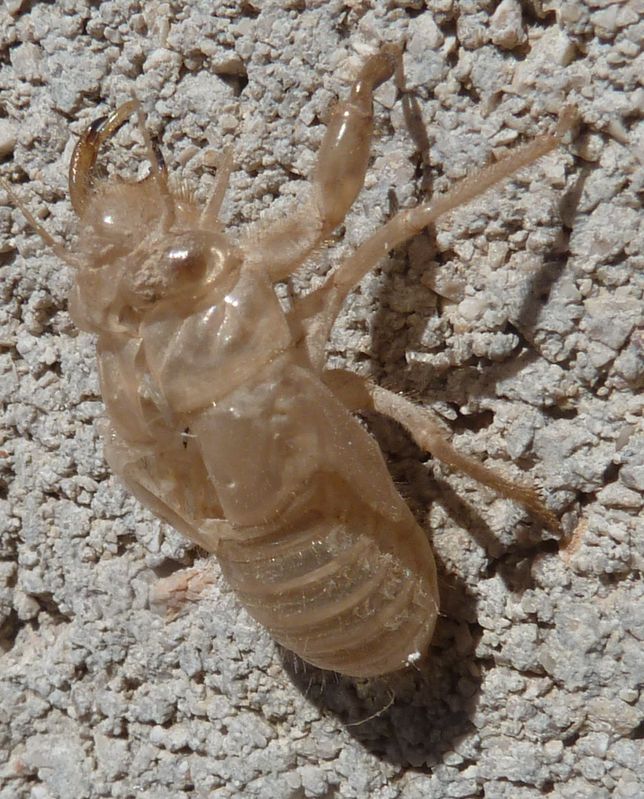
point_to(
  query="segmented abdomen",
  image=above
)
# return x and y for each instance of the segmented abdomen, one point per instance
(292, 494)
(343, 587)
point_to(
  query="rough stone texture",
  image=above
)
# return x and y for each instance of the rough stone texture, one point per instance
(519, 321)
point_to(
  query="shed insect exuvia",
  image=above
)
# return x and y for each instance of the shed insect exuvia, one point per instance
(221, 416)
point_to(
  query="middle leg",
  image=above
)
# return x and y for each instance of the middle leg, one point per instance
(316, 312)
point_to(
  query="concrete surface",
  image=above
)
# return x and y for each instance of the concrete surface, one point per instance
(519, 322)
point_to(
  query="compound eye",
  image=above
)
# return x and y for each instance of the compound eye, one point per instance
(186, 261)
(176, 270)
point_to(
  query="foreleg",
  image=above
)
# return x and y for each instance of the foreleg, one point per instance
(82, 172)
(83, 162)
(360, 394)
(337, 180)
(82, 167)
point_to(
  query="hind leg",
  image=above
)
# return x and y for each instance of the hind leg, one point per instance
(360, 394)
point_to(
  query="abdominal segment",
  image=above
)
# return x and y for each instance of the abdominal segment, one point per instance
(333, 582)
